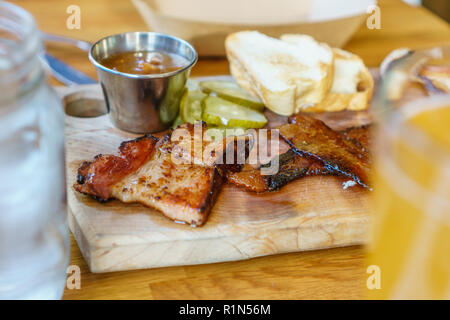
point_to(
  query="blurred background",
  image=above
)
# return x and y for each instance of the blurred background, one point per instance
(440, 7)
(103, 17)
(403, 23)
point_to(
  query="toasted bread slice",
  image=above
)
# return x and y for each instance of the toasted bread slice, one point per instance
(438, 75)
(352, 86)
(284, 78)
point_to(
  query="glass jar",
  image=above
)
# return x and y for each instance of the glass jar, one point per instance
(34, 237)
(410, 249)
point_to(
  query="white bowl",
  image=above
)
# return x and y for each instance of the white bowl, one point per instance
(206, 23)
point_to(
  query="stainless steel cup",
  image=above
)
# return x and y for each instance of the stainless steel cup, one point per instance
(142, 103)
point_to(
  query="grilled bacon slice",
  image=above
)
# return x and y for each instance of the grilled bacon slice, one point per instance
(361, 136)
(249, 178)
(184, 191)
(96, 177)
(291, 167)
(313, 138)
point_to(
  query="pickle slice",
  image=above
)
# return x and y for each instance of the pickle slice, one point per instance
(191, 106)
(220, 112)
(218, 133)
(177, 122)
(231, 91)
(192, 84)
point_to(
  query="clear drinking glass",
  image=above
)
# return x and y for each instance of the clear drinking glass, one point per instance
(411, 199)
(34, 238)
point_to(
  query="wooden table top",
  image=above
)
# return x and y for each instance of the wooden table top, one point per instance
(327, 274)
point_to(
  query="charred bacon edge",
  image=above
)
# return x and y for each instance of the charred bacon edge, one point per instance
(83, 170)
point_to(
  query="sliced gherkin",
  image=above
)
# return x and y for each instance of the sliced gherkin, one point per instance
(177, 122)
(221, 112)
(231, 91)
(192, 84)
(191, 106)
(222, 132)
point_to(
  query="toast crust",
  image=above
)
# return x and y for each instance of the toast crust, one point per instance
(337, 99)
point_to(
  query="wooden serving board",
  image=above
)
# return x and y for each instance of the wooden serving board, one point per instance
(308, 214)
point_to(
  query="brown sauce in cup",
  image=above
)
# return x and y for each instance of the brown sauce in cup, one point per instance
(145, 62)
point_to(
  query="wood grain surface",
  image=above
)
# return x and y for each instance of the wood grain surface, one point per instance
(325, 274)
(310, 213)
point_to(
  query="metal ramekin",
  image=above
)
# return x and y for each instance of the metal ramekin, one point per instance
(142, 103)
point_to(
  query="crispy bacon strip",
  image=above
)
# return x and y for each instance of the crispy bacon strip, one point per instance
(361, 136)
(312, 138)
(182, 192)
(249, 178)
(291, 167)
(97, 177)
(158, 175)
